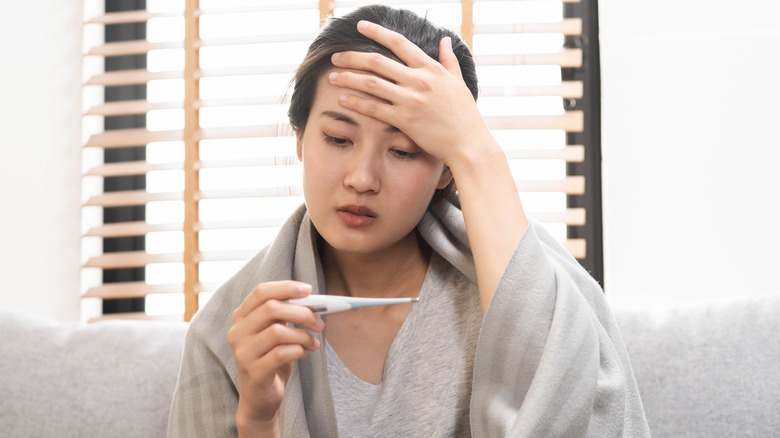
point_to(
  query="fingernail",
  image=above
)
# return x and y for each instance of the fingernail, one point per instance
(316, 344)
(362, 24)
(332, 76)
(334, 57)
(304, 288)
(449, 41)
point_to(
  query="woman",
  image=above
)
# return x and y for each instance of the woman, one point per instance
(511, 337)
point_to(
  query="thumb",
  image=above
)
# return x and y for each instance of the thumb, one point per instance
(447, 57)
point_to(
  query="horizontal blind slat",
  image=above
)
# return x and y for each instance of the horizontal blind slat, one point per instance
(126, 168)
(118, 138)
(243, 224)
(139, 259)
(129, 198)
(571, 121)
(288, 5)
(277, 130)
(570, 216)
(242, 101)
(576, 247)
(568, 89)
(126, 229)
(131, 77)
(139, 197)
(129, 107)
(253, 192)
(248, 70)
(258, 39)
(227, 256)
(141, 16)
(567, 26)
(134, 47)
(125, 17)
(139, 47)
(140, 228)
(135, 316)
(132, 289)
(571, 154)
(560, 1)
(140, 289)
(571, 185)
(358, 3)
(280, 160)
(130, 259)
(567, 58)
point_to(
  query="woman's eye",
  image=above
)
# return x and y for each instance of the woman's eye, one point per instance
(404, 154)
(335, 140)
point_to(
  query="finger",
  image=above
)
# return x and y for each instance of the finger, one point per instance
(404, 49)
(280, 356)
(368, 83)
(279, 290)
(281, 334)
(370, 107)
(371, 62)
(248, 349)
(263, 371)
(447, 57)
(275, 311)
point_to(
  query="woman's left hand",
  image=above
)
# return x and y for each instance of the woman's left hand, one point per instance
(425, 99)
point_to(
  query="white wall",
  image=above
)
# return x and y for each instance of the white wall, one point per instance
(40, 77)
(691, 109)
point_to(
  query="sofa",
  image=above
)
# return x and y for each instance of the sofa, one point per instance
(707, 369)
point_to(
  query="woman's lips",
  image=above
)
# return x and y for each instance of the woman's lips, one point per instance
(356, 215)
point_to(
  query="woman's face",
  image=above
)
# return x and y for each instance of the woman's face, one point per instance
(366, 183)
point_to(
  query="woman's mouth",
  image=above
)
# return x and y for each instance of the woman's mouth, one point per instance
(356, 216)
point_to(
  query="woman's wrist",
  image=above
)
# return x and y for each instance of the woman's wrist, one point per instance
(474, 158)
(251, 427)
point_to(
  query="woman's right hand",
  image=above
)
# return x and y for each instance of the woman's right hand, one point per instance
(264, 346)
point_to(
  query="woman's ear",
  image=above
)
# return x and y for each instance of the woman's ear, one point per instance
(445, 179)
(299, 144)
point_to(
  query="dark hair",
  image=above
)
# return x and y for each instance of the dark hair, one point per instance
(341, 35)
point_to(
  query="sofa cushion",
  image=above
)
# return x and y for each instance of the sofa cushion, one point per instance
(707, 369)
(107, 379)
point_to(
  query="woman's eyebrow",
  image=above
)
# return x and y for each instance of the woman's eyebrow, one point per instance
(341, 117)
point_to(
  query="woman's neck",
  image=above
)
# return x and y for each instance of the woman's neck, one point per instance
(396, 272)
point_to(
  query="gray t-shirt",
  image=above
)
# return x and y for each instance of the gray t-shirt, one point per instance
(426, 387)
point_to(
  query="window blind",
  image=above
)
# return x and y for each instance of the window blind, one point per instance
(220, 166)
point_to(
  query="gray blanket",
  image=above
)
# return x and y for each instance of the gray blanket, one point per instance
(550, 360)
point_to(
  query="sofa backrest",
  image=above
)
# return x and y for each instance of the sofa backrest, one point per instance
(707, 369)
(704, 370)
(107, 379)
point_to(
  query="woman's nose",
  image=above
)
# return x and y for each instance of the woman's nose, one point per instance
(363, 172)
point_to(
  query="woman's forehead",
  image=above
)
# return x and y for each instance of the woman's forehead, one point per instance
(326, 102)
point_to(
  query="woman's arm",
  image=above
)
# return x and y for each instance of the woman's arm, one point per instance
(430, 103)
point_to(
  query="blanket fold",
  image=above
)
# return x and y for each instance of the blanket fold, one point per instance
(549, 360)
